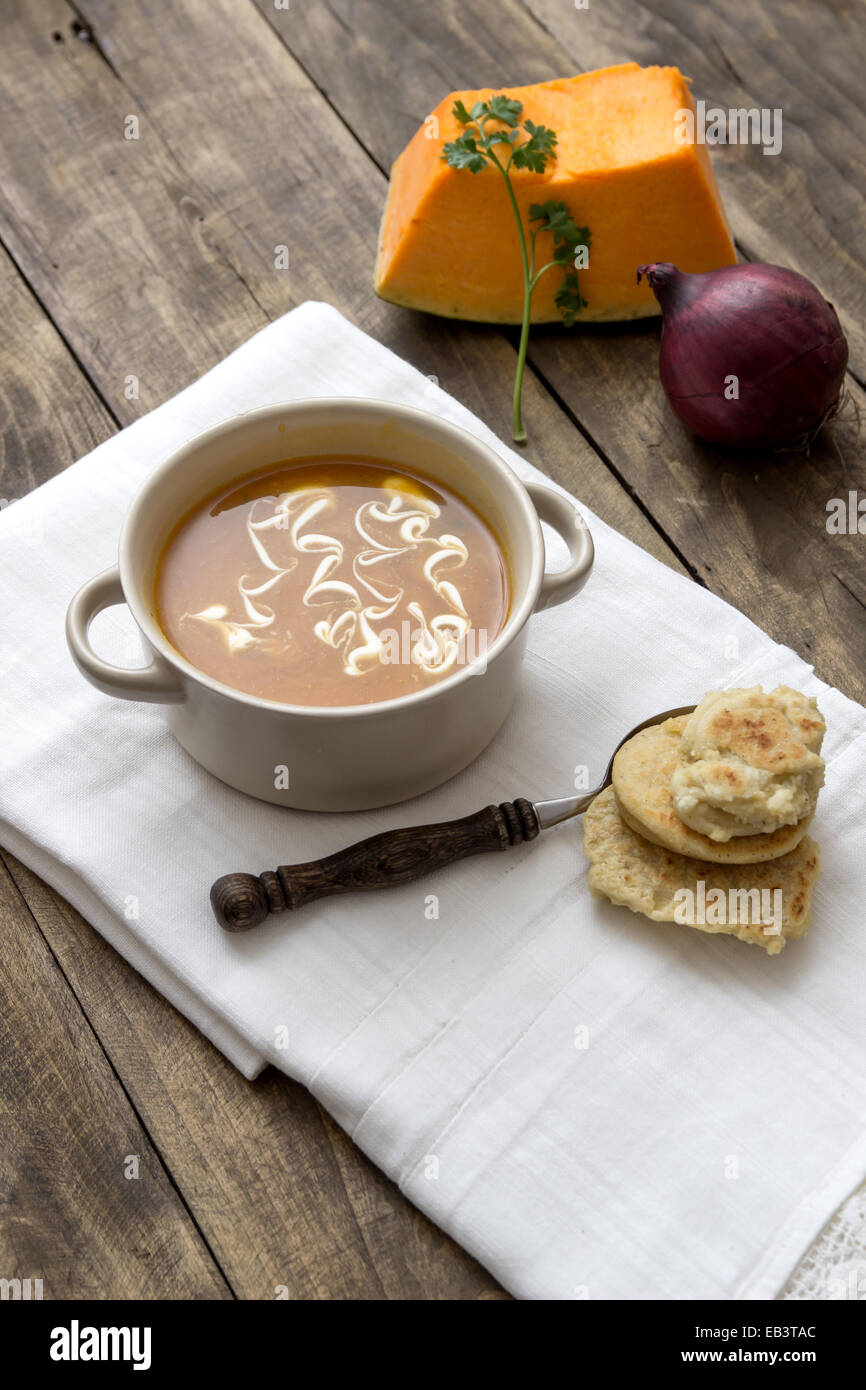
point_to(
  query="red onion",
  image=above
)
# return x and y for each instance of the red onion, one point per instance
(751, 355)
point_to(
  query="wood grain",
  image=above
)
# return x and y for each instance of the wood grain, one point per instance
(805, 207)
(153, 258)
(758, 523)
(49, 413)
(71, 1215)
(283, 1198)
(310, 1235)
(320, 1221)
(180, 241)
(752, 528)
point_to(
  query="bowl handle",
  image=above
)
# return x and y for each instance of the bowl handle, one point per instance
(156, 683)
(562, 514)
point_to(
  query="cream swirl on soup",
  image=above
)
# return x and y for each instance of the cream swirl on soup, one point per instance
(359, 606)
(332, 582)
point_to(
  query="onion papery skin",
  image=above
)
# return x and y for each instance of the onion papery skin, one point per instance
(769, 328)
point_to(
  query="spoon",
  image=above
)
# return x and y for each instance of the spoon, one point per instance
(242, 901)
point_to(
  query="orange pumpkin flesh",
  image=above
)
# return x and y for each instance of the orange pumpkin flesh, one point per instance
(448, 241)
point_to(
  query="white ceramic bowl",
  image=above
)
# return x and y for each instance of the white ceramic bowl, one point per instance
(349, 757)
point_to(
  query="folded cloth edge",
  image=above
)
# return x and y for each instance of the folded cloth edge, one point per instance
(70, 886)
(777, 1262)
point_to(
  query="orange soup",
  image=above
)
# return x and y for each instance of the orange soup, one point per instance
(332, 581)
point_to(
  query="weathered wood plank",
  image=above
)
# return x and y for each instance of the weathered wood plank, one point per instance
(71, 1217)
(172, 264)
(49, 413)
(282, 1196)
(143, 279)
(762, 526)
(71, 1214)
(753, 532)
(112, 236)
(365, 1238)
(806, 206)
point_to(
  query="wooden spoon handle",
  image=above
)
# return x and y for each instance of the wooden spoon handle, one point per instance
(241, 901)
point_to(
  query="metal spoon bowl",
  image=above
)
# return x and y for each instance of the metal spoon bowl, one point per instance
(563, 808)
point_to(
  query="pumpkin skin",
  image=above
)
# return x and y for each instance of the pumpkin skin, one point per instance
(448, 242)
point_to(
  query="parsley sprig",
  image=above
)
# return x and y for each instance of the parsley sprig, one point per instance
(507, 144)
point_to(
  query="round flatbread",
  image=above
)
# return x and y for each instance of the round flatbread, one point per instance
(763, 904)
(642, 773)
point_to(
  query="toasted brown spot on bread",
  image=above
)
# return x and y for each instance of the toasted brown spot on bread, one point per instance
(763, 738)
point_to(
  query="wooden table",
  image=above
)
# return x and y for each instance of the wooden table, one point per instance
(129, 267)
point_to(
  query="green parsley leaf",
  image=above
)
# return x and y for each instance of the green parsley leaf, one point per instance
(463, 153)
(505, 109)
(537, 150)
(474, 150)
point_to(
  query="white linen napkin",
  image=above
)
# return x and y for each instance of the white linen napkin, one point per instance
(593, 1104)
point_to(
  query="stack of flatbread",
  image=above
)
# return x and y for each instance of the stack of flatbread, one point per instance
(705, 822)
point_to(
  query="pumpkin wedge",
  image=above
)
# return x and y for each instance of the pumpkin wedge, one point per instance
(448, 242)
